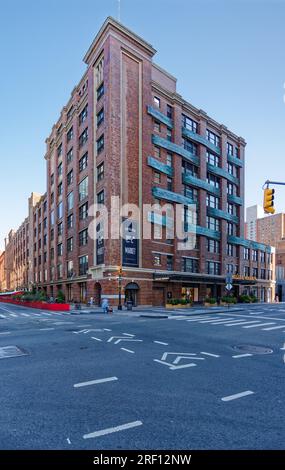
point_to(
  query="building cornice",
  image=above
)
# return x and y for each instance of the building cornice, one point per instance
(111, 23)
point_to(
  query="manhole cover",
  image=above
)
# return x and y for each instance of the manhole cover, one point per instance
(253, 349)
(11, 351)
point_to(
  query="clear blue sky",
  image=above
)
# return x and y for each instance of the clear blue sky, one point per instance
(228, 57)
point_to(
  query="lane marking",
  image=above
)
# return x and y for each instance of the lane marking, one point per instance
(209, 354)
(127, 334)
(13, 315)
(200, 319)
(273, 328)
(103, 432)
(107, 329)
(68, 440)
(128, 350)
(95, 382)
(46, 329)
(241, 355)
(160, 342)
(237, 395)
(97, 339)
(5, 333)
(25, 314)
(242, 323)
(218, 320)
(260, 324)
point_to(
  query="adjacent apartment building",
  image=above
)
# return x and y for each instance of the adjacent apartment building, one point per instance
(126, 135)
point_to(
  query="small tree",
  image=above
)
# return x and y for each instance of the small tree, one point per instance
(60, 297)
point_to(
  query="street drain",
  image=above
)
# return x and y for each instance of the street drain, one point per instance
(248, 348)
(11, 351)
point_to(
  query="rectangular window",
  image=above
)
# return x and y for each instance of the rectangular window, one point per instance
(83, 237)
(69, 178)
(254, 255)
(213, 138)
(246, 271)
(69, 134)
(83, 189)
(169, 134)
(156, 101)
(231, 250)
(59, 150)
(212, 201)
(83, 162)
(213, 268)
(52, 218)
(100, 117)
(231, 229)
(60, 210)
(83, 211)
(59, 271)
(169, 111)
(69, 244)
(191, 192)
(59, 249)
(189, 169)
(213, 223)
(69, 156)
(100, 197)
(60, 229)
(70, 201)
(83, 115)
(100, 91)
(69, 266)
(100, 144)
(83, 138)
(156, 126)
(100, 172)
(213, 246)
(59, 169)
(83, 265)
(169, 184)
(70, 221)
(189, 124)
(213, 159)
(190, 146)
(246, 254)
(255, 272)
(156, 177)
(51, 179)
(190, 265)
(169, 160)
(59, 189)
(262, 257)
(213, 180)
(157, 152)
(69, 113)
(230, 149)
(169, 263)
(231, 189)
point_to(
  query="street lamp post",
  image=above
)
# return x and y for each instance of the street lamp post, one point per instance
(120, 288)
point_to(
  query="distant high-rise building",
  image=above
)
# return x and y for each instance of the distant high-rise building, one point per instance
(252, 214)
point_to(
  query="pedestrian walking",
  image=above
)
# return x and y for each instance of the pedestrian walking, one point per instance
(105, 305)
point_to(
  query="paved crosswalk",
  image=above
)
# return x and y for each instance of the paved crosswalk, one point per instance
(33, 315)
(232, 321)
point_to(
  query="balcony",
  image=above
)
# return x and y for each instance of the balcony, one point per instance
(236, 161)
(199, 139)
(212, 212)
(166, 144)
(162, 167)
(161, 193)
(160, 116)
(201, 184)
(216, 170)
(235, 200)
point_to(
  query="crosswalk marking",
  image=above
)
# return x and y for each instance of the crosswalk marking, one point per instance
(13, 315)
(242, 323)
(225, 322)
(25, 314)
(198, 319)
(221, 320)
(274, 328)
(259, 324)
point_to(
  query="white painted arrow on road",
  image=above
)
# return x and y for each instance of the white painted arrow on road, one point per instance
(87, 331)
(121, 338)
(179, 356)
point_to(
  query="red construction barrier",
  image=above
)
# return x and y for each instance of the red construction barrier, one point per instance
(38, 305)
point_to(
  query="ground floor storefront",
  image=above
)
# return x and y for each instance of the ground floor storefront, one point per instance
(155, 289)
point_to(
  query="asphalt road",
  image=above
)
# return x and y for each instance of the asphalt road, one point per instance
(125, 381)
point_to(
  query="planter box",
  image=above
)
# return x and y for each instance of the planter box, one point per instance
(178, 306)
(38, 305)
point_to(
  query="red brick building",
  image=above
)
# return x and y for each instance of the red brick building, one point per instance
(127, 133)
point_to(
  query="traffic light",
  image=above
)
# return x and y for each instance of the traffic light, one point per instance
(268, 201)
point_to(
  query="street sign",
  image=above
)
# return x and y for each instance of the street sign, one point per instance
(229, 278)
(229, 286)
